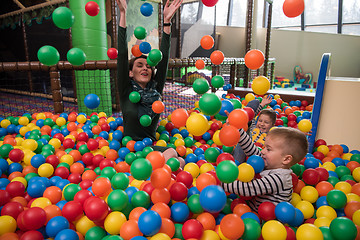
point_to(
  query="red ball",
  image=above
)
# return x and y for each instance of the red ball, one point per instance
(178, 191)
(294, 179)
(68, 143)
(209, 3)
(96, 209)
(85, 184)
(59, 136)
(92, 144)
(224, 156)
(185, 178)
(97, 159)
(291, 117)
(290, 233)
(34, 218)
(214, 126)
(87, 158)
(106, 163)
(72, 210)
(16, 155)
(32, 235)
(192, 228)
(319, 142)
(75, 178)
(105, 127)
(266, 211)
(92, 8)
(82, 195)
(62, 172)
(235, 202)
(304, 103)
(169, 126)
(15, 189)
(311, 176)
(250, 112)
(149, 188)
(83, 136)
(319, 155)
(112, 53)
(12, 209)
(292, 124)
(323, 173)
(293, 8)
(279, 122)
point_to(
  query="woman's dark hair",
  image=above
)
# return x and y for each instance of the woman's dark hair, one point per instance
(132, 61)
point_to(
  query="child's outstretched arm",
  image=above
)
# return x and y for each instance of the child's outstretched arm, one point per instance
(247, 144)
(266, 100)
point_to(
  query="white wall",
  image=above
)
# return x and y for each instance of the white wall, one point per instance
(291, 48)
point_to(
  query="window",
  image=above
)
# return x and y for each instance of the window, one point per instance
(222, 9)
(279, 20)
(351, 17)
(238, 13)
(189, 13)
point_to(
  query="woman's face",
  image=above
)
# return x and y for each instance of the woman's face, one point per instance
(141, 72)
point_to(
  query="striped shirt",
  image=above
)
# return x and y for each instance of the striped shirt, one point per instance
(275, 185)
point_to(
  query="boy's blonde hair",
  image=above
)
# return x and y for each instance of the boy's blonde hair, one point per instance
(295, 142)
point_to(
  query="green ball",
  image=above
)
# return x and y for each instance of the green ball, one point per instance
(94, 119)
(326, 233)
(210, 104)
(97, 170)
(217, 81)
(296, 169)
(48, 55)
(37, 131)
(252, 229)
(151, 63)
(189, 141)
(342, 171)
(83, 149)
(343, 228)
(333, 180)
(210, 142)
(118, 200)
(160, 129)
(173, 163)
(130, 158)
(201, 86)
(211, 154)
(34, 137)
(139, 154)
(227, 171)
(46, 153)
(49, 122)
(145, 120)
(134, 97)
(112, 237)
(236, 103)
(76, 56)
(178, 231)
(140, 33)
(355, 157)
(5, 149)
(125, 140)
(70, 191)
(95, 233)
(227, 149)
(155, 55)
(63, 164)
(63, 17)
(347, 177)
(120, 181)
(194, 204)
(227, 207)
(285, 120)
(30, 176)
(164, 137)
(141, 169)
(140, 199)
(147, 150)
(336, 199)
(108, 172)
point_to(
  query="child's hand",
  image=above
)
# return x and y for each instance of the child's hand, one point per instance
(170, 9)
(266, 100)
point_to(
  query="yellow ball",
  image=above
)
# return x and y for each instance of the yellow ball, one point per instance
(308, 231)
(188, 151)
(20, 179)
(306, 208)
(71, 136)
(24, 130)
(23, 121)
(206, 167)
(30, 144)
(305, 125)
(356, 174)
(196, 104)
(295, 199)
(329, 166)
(178, 136)
(19, 141)
(46, 170)
(136, 183)
(41, 202)
(8, 224)
(84, 224)
(246, 172)
(323, 149)
(102, 114)
(322, 222)
(197, 124)
(355, 217)
(179, 142)
(28, 154)
(345, 187)
(249, 97)
(210, 235)
(273, 230)
(55, 142)
(346, 156)
(192, 168)
(327, 212)
(161, 143)
(67, 158)
(105, 149)
(277, 96)
(309, 193)
(160, 236)
(216, 138)
(260, 85)
(60, 121)
(113, 222)
(110, 119)
(5, 123)
(197, 144)
(81, 118)
(40, 116)
(352, 197)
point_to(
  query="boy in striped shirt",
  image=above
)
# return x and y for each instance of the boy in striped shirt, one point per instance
(284, 147)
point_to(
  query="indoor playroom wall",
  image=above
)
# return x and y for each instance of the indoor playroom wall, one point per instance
(291, 48)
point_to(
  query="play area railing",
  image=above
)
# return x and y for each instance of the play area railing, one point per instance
(30, 87)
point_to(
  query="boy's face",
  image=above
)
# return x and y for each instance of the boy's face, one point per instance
(273, 154)
(264, 123)
(141, 72)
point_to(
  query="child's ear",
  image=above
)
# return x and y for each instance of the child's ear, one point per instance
(287, 159)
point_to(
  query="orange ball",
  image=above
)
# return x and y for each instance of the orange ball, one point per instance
(112, 154)
(52, 211)
(156, 159)
(122, 167)
(158, 107)
(71, 126)
(351, 207)
(299, 186)
(9, 236)
(160, 178)
(130, 229)
(207, 220)
(10, 140)
(162, 209)
(53, 193)
(337, 148)
(96, 129)
(350, 165)
(29, 169)
(179, 117)
(217, 57)
(76, 155)
(167, 227)
(238, 118)
(199, 64)
(323, 188)
(229, 135)
(254, 59)
(89, 174)
(293, 8)
(241, 208)
(204, 180)
(181, 150)
(356, 189)
(135, 50)
(232, 226)
(136, 212)
(20, 200)
(160, 195)
(130, 145)
(77, 168)
(207, 42)
(101, 187)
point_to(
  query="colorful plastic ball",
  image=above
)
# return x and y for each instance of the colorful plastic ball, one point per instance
(252, 229)
(201, 86)
(95, 208)
(246, 172)
(260, 85)
(226, 107)
(141, 169)
(134, 97)
(146, 9)
(149, 222)
(55, 225)
(336, 199)
(273, 230)
(113, 222)
(209, 3)
(112, 53)
(217, 57)
(227, 171)
(306, 208)
(45, 170)
(207, 42)
(145, 47)
(197, 124)
(145, 120)
(67, 234)
(192, 229)
(76, 56)
(63, 17)
(308, 231)
(305, 125)
(285, 212)
(8, 224)
(92, 8)
(217, 81)
(210, 104)
(254, 59)
(343, 228)
(311, 176)
(232, 226)
(179, 212)
(238, 118)
(293, 8)
(92, 101)
(200, 64)
(140, 33)
(155, 55)
(179, 117)
(48, 55)
(229, 135)
(257, 163)
(213, 198)
(34, 218)
(135, 51)
(266, 211)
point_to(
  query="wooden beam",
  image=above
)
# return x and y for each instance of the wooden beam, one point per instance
(19, 4)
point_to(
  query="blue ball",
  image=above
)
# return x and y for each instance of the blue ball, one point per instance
(92, 101)
(213, 198)
(147, 141)
(206, 136)
(338, 162)
(67, 234)
(4, 165)
(15, 167)
(345, 148)
(256, 162)
(40, 123)
(130, 192)
(179, 212)
(321, 201)
(311, 162)
(298, 219)
(3, 132)
(149, 222)
(145, 47)
(174, 131)
(273, 103)
(62, 183)
(36, 189)
(55, 225)
(113, 125)
(4, 182)
(54, 131)
(226, 105)
(184, 133)
(123, 152)
(119, 121)
(64, 115)
(198, 151)
(192, 191)
(250, 215)
(306, 115)
(333, 174)
(104, 134)
(65, 132)
(191, 158)
(53, 180)
(10, 129)
(61, 204)
(139, 146)
(146, 9)
(37, 160)
(115, 144)
(285, 212)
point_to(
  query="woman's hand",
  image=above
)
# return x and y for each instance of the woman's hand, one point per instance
(169, 9)
(122, 5)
